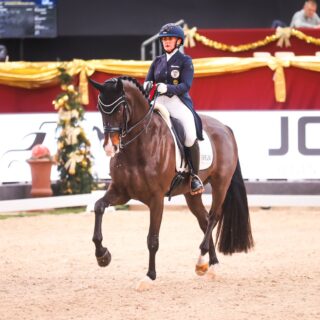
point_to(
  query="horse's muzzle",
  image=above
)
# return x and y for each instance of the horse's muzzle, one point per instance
(111, 144)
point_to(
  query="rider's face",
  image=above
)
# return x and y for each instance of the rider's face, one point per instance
(169, 43)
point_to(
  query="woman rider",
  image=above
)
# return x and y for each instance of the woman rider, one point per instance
(173, 74)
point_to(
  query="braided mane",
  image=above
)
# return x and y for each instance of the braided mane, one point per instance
(137, 84)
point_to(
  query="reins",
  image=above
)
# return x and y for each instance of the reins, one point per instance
(149, 114)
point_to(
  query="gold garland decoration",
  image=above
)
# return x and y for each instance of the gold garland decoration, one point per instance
(240, 48)
(282, 35)
(300, 35)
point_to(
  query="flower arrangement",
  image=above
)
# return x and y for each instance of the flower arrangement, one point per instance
(39, 151)
(40, 164)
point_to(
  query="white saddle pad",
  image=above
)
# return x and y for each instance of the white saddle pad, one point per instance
(206, 154)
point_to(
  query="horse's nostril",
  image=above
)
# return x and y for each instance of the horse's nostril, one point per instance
(115, 138)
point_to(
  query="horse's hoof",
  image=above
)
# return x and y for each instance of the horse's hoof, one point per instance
(104, 260)
(202, 269)
(212, 273)
(144, 284)
(202, 265)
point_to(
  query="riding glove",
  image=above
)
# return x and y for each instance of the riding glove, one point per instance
(147, 86)
(162, 88)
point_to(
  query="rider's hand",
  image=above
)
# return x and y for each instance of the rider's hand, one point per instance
(162, 88)
(147, 86)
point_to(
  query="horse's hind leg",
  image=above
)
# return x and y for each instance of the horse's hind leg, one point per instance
(196, 206)
(219, 191)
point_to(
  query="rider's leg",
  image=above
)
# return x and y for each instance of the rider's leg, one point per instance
(193, 158)
(180, 111)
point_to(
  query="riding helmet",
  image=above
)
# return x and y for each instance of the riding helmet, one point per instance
(171, 30)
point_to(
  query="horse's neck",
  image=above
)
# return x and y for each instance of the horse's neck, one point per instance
(139, 110)
(139, 104)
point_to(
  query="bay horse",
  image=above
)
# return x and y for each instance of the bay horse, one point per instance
(143, 165)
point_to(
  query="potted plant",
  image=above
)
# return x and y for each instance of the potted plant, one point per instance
(40, 164)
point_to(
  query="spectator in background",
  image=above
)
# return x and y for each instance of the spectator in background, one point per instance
(306, 17)
(3, 53)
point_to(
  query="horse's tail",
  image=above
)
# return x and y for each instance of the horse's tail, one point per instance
(234, 229)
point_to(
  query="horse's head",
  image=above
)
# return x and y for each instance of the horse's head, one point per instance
(122, 101)
(113, 107)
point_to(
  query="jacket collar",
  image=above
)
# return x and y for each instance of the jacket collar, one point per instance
(169, 55)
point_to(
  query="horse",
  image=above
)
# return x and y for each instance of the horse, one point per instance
(142, 167)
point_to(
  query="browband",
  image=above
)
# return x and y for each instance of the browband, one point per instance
(114, 104)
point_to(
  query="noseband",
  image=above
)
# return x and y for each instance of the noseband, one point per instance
(123, 130)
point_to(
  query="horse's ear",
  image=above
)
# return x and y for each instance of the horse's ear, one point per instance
(119, 85)
(97, 85)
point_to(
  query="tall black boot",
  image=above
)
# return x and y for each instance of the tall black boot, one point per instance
(193, 159)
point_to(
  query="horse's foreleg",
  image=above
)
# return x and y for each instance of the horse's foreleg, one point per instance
(113, 196)
(153, 246)
(156, 211)
(102, 254)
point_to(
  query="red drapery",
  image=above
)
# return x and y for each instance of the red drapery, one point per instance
(249, 90)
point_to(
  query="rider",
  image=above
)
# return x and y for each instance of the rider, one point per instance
(173, 73)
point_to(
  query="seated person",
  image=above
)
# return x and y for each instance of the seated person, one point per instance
(306, 17)
(3, 53)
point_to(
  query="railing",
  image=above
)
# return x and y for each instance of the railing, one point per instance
(156, 48)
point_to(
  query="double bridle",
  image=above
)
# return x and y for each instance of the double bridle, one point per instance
(123, 131)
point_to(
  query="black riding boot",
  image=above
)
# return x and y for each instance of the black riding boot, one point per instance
(193, 159)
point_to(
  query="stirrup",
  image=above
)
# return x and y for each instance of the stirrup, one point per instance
(198, 187)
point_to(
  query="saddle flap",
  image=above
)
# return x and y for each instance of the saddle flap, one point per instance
(179, 133)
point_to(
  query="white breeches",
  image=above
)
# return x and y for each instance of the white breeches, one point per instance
(179, 110)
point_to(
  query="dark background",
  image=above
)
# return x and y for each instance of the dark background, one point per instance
(105, 29)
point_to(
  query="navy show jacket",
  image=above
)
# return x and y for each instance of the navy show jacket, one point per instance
(177, 74)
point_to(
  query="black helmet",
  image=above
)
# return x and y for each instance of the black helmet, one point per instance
(171, 30)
